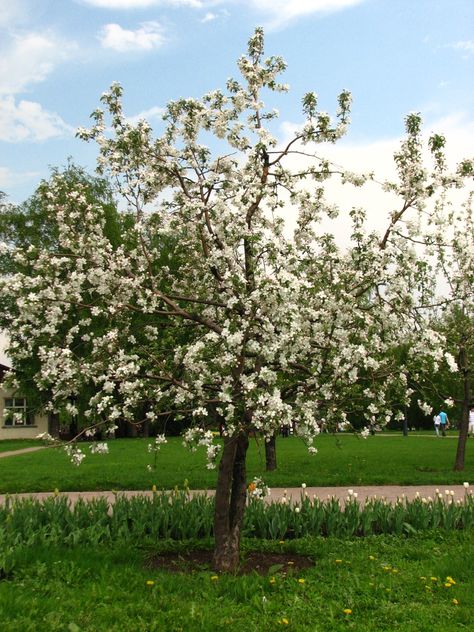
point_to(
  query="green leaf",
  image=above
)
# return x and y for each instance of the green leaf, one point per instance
(274, 569)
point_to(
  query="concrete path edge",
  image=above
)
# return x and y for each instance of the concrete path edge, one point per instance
(389, 493)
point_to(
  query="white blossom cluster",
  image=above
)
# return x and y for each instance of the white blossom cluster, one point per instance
(75, 454)
(160, 439)
(196, 437)
(99, 448)
(258, 489)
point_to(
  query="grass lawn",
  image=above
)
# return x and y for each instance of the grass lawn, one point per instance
(341, 460)
(367, 585)
(17, 444)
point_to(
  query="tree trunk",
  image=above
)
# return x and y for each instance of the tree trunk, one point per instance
(270, 454)
(54, 425)
(132, 430)
(230, 499)
(464, 426)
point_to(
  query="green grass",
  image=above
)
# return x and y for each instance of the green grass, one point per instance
(18, 444)
(385, 581)
(341, 460)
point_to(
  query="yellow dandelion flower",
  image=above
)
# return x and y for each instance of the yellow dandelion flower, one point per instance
(214, 577)
(423, 578)
(153, 488)
(434, 579)
(281, 542)
(371, 557)
(447, 585)
(301, 581)
(347, 611)
(150, 582)
(450, 580)
(290, 563)
(395, 570)
(338, 561)
(284, 621)
(272, 580)
(455, 602)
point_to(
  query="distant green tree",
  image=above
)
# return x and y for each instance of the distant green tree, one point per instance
(28, 227)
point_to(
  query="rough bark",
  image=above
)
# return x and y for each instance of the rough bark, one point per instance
(270, 454)
(230, 500)
(464, 426)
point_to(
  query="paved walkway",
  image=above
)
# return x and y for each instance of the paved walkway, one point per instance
(21, 451)
(388, 492)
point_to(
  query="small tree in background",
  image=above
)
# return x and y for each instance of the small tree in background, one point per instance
(284, 325)
(451, 241)
(447, 238)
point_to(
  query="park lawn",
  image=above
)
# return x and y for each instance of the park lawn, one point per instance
(18, 444)
(372, 584)
(341, 460)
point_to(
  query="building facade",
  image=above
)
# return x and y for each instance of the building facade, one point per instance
(17, 420)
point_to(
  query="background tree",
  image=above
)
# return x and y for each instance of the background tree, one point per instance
(284, 325)
(30, 226)
(448, 241)
(451, 240)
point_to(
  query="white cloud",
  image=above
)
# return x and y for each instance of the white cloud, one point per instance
(148, 37)
(154, 113)
(377, 156)
(9, 178)
(27, 121)
(458, 128)
(281, 12)
(141, 4)
(278, 13)
(209, 17)
(467, 46)
(29, 60)
(13, 12)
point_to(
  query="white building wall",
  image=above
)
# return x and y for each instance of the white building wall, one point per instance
(20, 431)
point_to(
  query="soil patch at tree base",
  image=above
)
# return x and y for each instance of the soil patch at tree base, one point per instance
(251, 562)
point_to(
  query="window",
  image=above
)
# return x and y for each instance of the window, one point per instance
(15, 412)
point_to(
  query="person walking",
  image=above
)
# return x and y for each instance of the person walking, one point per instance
(470, 428)
(437, 423)
(443, 422)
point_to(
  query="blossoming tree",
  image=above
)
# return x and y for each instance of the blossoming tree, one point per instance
(451, 243)
(280, 324)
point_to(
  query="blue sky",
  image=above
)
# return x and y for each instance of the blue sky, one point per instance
(58, 56)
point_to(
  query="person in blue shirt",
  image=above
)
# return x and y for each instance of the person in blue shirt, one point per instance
(444, 422)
